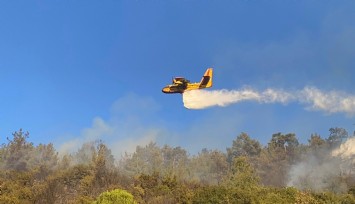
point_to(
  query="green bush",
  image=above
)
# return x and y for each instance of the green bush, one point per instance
(117, 196)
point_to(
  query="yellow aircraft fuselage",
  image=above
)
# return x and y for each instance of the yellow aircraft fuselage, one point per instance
(181, 84)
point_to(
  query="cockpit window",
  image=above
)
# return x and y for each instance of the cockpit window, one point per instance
(180, 80)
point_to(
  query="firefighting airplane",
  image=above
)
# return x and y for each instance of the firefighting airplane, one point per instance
(181, 84)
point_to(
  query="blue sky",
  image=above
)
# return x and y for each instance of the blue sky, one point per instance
(73, 71)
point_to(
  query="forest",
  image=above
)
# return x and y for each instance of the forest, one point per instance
(282, 171)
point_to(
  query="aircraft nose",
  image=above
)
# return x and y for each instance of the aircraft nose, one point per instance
(165, 90)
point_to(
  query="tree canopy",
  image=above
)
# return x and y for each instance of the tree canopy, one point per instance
(282, 171)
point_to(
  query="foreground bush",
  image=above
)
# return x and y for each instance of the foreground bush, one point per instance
(116, 196)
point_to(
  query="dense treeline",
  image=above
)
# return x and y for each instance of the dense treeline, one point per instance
(283, 171)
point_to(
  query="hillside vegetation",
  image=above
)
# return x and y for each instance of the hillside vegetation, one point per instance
(283, 171)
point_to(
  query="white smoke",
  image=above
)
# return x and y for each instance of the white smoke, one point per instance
(325, 169)
(346, 150)
(318, 173)
(124, 130)
(331, 102)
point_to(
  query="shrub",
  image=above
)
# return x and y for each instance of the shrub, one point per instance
(118, 196)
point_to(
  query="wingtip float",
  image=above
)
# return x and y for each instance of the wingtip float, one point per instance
(180, 84)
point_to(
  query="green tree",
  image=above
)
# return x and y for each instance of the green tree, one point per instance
(317, 147)
(85, 153)
(275, 160)
(243, 145)
(44, 155)
(174, 161)
(284, 143)
(316, 141)
(17, 153)
(209, 167)
(145, 160)
(243, 175)
(156, 188)
(105, 172)
(212, 195)
(103, 160)
(336, 136)
(117, 196)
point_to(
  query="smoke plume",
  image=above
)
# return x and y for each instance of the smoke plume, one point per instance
(318, 171)
(315, 99)
(346, 150)
(325, 168)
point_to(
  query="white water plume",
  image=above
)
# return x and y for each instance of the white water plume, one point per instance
(331, 102)
(199, 99)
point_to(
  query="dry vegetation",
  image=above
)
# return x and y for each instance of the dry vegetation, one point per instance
(247, 172)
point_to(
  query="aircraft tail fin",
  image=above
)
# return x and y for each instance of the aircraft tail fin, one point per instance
(206, 80)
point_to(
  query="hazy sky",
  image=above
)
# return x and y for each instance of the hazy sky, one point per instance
(75, 71)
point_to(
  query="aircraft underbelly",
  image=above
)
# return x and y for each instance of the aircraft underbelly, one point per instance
(172, 90)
